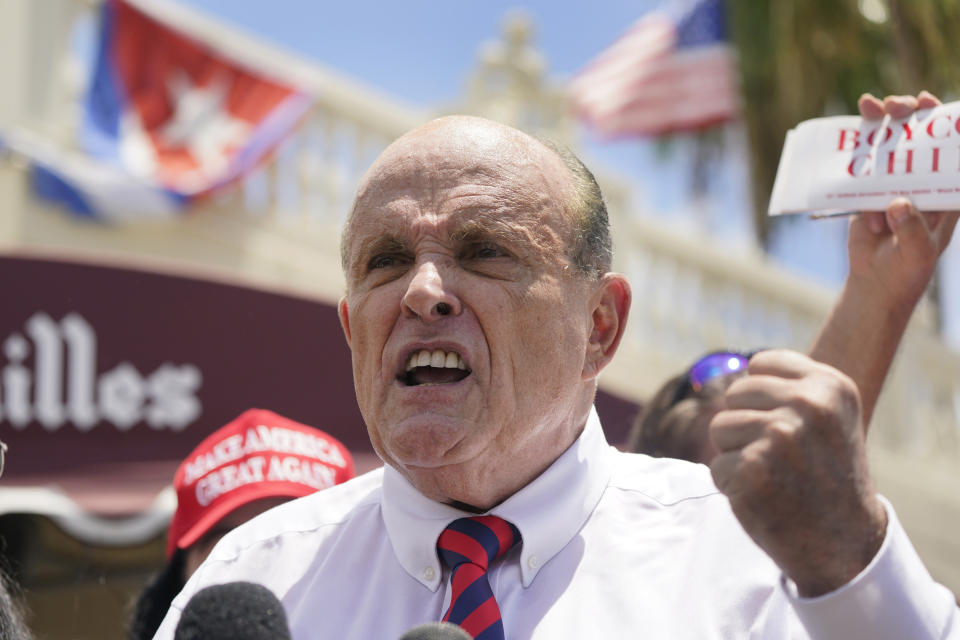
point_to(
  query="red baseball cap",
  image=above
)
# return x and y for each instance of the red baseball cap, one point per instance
(258, 455)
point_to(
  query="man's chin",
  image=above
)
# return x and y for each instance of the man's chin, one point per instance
(423, 462)
(430, 458)
(428, 442)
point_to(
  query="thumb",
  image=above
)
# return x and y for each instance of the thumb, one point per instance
(913, 236)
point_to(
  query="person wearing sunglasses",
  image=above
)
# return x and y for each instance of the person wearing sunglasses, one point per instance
(675, 422)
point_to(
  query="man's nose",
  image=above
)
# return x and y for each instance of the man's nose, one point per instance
(428, 296)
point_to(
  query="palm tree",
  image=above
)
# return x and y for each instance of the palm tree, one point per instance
(801, 59)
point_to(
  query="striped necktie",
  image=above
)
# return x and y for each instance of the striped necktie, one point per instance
(468, 546)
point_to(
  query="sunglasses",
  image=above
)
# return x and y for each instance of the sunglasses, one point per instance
(713, 365)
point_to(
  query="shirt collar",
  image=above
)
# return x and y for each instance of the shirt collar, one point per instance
(548, 512)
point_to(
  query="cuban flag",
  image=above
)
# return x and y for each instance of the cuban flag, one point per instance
(168, 120)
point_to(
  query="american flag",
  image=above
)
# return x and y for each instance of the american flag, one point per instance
(672, 71)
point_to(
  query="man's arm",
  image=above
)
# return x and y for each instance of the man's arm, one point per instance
(792, 447)
(893, 256)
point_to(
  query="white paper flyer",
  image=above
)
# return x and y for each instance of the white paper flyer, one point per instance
(846, 163)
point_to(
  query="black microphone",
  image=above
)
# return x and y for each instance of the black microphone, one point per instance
(235, 610)
(436, 631)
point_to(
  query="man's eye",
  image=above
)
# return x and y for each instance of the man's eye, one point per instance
(485, 252)
(383, 262)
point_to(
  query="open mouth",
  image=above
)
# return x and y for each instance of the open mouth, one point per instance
(426, 367)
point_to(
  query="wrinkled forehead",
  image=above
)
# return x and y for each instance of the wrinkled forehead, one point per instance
(454, 150)
(460, 166)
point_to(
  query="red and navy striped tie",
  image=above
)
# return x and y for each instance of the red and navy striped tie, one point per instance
(468, 546)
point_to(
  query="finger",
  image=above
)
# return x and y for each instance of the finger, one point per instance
(760, 392)
(876, 221)
(782, 363)
(910, 228)
(926, 100)
(871, 108)
(900, 107)
(724, 469)
(738, 470)
(901, 211)
(734, 429)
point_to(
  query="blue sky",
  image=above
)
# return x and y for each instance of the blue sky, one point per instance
(421, 52)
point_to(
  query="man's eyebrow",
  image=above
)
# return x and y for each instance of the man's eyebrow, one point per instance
(484, 227)
(386, 243)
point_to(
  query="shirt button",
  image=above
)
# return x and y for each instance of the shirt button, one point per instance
(533, 562)
(428, 573)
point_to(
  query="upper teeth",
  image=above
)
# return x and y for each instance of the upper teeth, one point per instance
(437, 358)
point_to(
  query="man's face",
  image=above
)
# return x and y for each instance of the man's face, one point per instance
(467, 322)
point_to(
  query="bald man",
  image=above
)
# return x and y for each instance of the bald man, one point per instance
(480, 309)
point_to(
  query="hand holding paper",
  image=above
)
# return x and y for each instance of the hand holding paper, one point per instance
(893, 255)
(903, 146)
(895, 251)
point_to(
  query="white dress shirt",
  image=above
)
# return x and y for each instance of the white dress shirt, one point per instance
(615, 545)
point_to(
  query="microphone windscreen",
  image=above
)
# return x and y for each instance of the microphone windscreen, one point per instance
(235, 610)
(436, 631)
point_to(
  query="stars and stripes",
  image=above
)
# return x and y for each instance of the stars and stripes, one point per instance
(672, 71)
(468, 546)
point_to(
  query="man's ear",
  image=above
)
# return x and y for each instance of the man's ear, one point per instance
(344, 314)
(610, 306)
